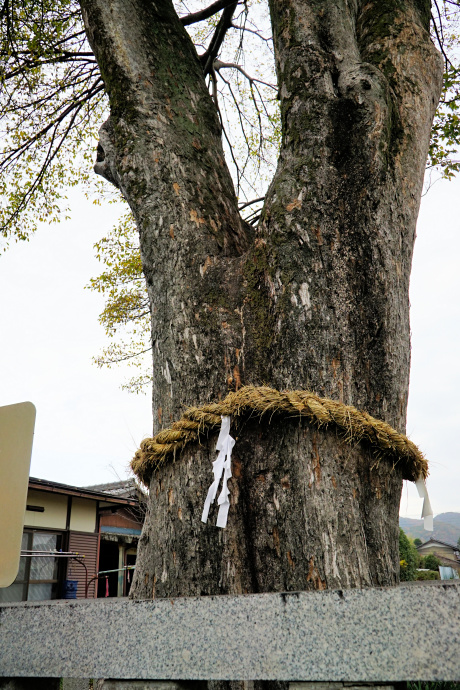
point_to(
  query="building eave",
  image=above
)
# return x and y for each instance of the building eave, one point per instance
(67, 490)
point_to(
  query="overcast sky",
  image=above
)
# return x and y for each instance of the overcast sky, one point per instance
(434, 401)
(87, 429)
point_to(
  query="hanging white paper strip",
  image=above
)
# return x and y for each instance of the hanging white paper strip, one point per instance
(427, 512)
(223, 464)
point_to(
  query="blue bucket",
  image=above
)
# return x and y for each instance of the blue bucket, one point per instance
(70, 589)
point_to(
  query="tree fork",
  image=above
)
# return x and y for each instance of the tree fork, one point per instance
(318, 299)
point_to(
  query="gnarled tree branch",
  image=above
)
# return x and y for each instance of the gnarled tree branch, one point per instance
(225, 22)
(200, 16)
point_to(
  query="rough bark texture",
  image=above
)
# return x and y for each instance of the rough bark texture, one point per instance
(162, 148)
(307, 512)
(317, 299)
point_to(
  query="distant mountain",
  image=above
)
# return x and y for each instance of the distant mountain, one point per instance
(446, 528)
(451, 518)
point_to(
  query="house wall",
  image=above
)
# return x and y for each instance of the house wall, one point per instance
(446, 554)
(54, 515)
(437, 549)
(80, 534)
(83, 515)
(85, 545)
(122, 518)
(82, 518)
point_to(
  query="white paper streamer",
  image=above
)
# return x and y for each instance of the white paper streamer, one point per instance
(427, 512)
(223, 464)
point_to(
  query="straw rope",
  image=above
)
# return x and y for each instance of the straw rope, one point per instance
(355, 426)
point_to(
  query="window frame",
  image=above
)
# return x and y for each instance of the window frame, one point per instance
(26, 581)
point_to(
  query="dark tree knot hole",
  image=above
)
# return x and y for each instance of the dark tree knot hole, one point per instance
(100, 154)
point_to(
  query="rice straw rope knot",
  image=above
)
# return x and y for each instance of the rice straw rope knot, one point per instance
(355, 426)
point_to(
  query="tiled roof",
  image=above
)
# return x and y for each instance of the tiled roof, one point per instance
(438, 541)
(128, 497)
(125, 488)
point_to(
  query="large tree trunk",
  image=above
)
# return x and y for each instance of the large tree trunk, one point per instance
(318, 299)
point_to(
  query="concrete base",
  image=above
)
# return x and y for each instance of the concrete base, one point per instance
(349, 637)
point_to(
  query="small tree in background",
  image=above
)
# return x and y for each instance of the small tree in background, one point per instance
(431, 562)
(408, 557)
(418, 542)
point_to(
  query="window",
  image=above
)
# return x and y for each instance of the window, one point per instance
(38, 576)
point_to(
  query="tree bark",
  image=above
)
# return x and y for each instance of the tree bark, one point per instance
(317, 299)
(307, 512)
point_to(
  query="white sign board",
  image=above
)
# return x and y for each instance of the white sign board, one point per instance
(16, 435)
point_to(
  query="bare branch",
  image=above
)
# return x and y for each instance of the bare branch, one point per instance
(249, 203)
(206, 13)
(108, 359)
(53, 149)
(33, 64)
(86, 95)
(440, 37)
(225, 22)
(252, 31)
(218, 65)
